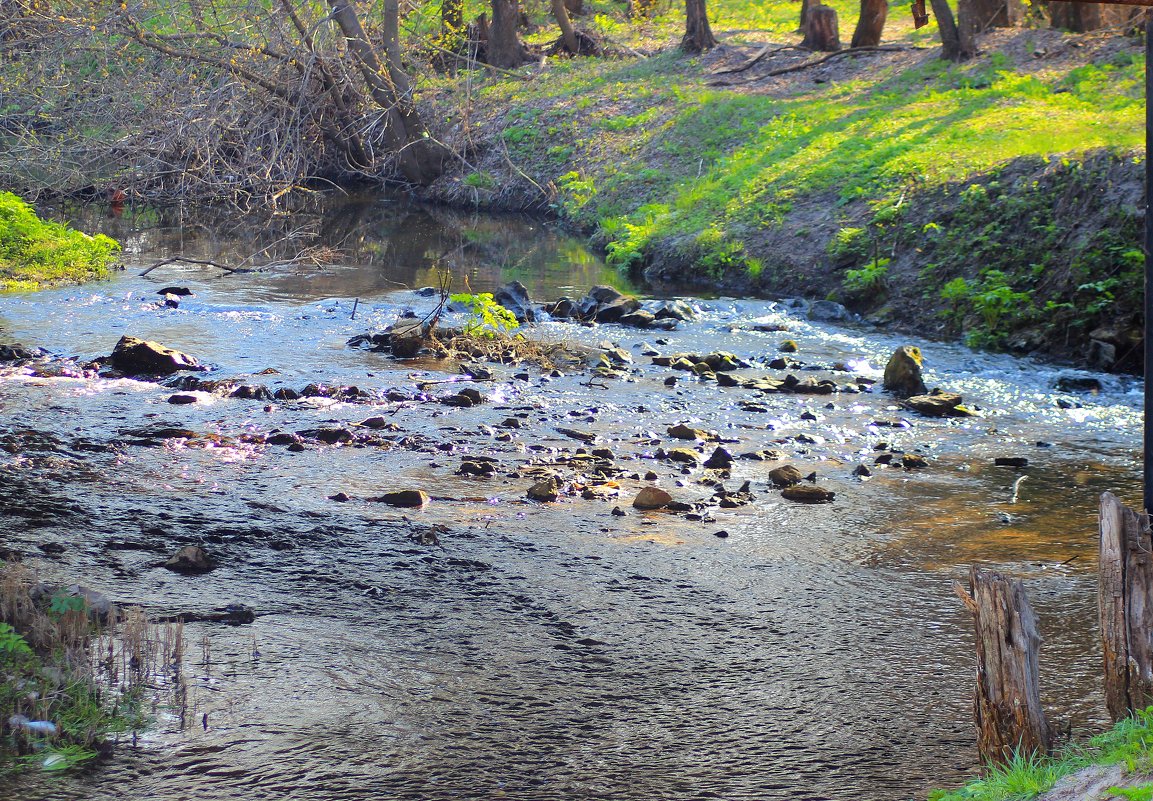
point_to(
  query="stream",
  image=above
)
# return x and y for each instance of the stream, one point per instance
(488, 646)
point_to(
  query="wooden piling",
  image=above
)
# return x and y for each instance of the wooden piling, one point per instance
(1125, 606)
(1007, 701)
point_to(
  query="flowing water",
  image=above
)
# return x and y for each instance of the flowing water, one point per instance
(538, 651)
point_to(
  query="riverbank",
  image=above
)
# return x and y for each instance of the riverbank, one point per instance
(1116, 764)
(998, 201)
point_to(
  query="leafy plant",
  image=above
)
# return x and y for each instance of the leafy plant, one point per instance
(487, 318)
(480, 180)
(870, 279)
(12, 644)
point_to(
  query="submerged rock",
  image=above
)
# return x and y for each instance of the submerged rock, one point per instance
(191, 559)
(938, 404)
(408, 499)
(903, 372)
(135, 356)
(807, 493)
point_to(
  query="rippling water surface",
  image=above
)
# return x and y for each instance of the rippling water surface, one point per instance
(540, 651)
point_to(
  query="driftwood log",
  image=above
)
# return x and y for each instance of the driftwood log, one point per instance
(1007, 701)
(1125, 606)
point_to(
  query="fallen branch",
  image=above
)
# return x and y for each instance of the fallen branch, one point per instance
(764, 51)
(852, 51)
(201, 262)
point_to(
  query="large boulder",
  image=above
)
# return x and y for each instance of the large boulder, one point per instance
(135, 356)
(903, 372)
(514, 297)
(827, 311)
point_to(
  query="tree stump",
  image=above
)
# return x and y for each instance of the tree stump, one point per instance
(1125, 606)
(1007, 701)
(821, 32)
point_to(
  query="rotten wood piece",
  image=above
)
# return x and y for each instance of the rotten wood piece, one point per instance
(1007, 700)
(1125, 606)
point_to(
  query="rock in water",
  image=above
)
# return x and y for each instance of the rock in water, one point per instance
(190, 559)
(720, 460)
(135, 356)
(938, 404)
(514, 297)
(807, 493)
(785, 475)
(652, 498)
(903, 372)
(682, 431)
(408, 499)
(545, 491)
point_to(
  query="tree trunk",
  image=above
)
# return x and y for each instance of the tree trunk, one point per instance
(871, 23)
(805, 6)
(505, 49)
(947, 25)
(1125, 606)
(967, 28)
(421, 160)
(575, 7)
(821, 32)
(1007, 702)
(997, 14)
(698, 35)
(1085, 17)
(567, 31)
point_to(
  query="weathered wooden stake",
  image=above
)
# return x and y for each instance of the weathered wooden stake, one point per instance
(1007, 701)
(1125, 606)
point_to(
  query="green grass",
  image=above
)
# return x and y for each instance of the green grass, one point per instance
(34, 252)
(1130, 742)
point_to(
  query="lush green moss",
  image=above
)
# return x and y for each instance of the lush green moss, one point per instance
(34, 252)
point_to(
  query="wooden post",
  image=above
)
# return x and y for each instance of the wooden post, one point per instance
(1125, 607)
(1007, 702)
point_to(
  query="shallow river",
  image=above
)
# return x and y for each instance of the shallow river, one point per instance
(540, 651)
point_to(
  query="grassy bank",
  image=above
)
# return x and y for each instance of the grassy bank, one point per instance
(35, 253)
(849, 179)
(1129, 746)
(73, 678)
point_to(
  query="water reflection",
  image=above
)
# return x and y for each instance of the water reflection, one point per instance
(366, 247)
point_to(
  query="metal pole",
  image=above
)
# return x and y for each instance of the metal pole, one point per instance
(1148, 455)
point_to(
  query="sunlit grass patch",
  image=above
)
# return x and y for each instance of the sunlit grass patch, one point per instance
(34, 252)
(1130, 743)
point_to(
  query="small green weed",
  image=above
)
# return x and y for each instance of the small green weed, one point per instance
(487, 318)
